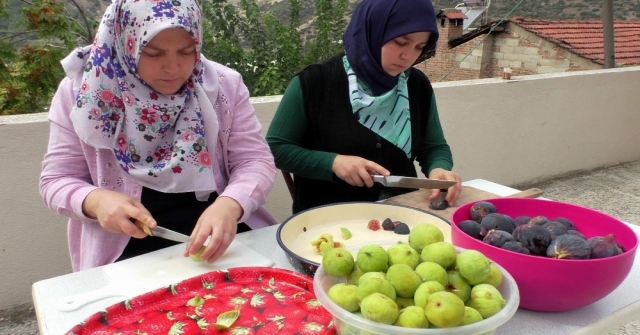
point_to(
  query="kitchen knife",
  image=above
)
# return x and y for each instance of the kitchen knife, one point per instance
(410, 182)
(162, 232)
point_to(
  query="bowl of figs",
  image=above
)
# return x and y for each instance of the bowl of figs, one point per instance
(562, 256)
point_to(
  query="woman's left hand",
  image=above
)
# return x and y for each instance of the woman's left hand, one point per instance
(220, 221)
(453, 192)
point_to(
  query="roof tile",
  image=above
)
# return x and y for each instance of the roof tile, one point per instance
(585, 38)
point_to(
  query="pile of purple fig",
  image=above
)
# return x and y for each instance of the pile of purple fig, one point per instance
(539, 235)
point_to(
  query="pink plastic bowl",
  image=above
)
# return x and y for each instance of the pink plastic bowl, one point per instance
(554, 285)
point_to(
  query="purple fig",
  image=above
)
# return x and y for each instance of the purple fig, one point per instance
(604, 246)
(566, 222)
(471, 228)
(576, 233)
(480, 209)
(516, 246)
(536, 239)
(497, 237)
(538, 220)
(521, 220)
(495, 221)
(387, 224)
(569, 247)
(555, 228)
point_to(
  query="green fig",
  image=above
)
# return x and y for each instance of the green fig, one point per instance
(444, 309)
(432, 271)
(423, 235)
(443, 253)
(379, 308)
(470, 316)
(404, 280)
(403, 254)
(458, 286)
(424, 291)
(338, 262)
(495, 276)
(375, 285)
(486, 299)
(473, 266)
(344, 295)
(354, 277)
(412, 317)
(372, 258)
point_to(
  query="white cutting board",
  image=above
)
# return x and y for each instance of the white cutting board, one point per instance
(138, 275)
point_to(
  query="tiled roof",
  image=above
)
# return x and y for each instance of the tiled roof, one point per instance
(585, 38)
(455, 15)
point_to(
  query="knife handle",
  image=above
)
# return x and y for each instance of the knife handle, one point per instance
(142, 226)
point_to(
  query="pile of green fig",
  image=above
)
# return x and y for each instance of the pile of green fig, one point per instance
(423, 283)
(538, 235)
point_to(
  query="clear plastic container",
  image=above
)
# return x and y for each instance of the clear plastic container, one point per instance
(351, 324)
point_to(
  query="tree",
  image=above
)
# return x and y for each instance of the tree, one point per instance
(264, 50)
(31, 52)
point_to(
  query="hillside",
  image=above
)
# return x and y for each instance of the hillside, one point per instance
(550, 9)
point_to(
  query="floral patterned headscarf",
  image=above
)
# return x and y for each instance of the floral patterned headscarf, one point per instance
(158, 139)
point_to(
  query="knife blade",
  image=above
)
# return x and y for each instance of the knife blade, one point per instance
(162, 232)
(411, 182)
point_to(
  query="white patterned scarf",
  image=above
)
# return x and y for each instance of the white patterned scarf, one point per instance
(388, 114)
(158, 139)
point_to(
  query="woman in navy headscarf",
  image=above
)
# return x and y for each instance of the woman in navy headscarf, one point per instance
(365, 111)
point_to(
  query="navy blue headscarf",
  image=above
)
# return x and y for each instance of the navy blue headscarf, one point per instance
(376, 22)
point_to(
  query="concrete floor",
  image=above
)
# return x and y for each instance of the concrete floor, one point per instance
(614, 190)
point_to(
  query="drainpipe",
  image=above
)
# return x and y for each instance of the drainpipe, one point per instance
(607, 22)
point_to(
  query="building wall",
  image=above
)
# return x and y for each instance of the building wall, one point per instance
(516, 48)
(526, 53)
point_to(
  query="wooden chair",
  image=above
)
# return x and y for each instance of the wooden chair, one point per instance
(288, 179)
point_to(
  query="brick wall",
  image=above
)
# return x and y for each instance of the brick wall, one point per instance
(525, 53)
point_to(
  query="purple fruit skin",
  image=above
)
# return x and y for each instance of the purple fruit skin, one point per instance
(471, 228)
(604, 246)
(516, 247)
(518, 231)
(536, 239)
(555, 228)
(480, 209)
(402, 229)
(576, 233)
(495, 221)
(538, 220)
(569, 247)
(387, 224)
(497, 238)
(439, 203)
(521, 220)
(566, 222)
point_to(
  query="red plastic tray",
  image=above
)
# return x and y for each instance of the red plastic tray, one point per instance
(270, 301)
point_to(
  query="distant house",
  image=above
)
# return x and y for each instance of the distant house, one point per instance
(526, 46)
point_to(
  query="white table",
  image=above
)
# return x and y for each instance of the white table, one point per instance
(615, 310)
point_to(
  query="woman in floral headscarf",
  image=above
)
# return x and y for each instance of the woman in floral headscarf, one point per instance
(365, 111)
(144, 127)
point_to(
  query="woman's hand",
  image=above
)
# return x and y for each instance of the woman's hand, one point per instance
(114, 211)
(356, 170)
(220, 221)
(453, 192)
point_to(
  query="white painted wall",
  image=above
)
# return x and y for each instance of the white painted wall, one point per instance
(527, 129)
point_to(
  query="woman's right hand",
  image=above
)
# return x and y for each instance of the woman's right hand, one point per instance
(114, 211)
(356, 170)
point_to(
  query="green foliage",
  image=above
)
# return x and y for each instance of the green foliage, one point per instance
(267, 50)
(30, 54)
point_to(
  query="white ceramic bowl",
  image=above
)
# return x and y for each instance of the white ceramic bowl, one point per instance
(348, 323)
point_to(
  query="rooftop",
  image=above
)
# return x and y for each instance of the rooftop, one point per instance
(585, 38)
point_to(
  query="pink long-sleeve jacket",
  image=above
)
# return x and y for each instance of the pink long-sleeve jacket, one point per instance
(245, 170)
